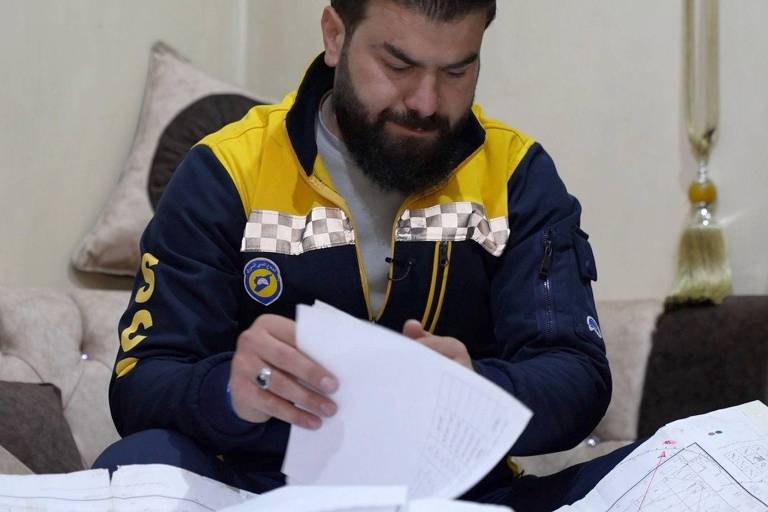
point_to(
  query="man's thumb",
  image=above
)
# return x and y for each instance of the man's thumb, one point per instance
(414, 330)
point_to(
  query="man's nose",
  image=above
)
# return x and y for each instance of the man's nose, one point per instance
(424, 96)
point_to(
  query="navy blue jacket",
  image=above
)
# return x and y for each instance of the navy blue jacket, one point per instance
(250, 223)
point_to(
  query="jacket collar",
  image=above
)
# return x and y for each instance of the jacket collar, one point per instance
(300, 120)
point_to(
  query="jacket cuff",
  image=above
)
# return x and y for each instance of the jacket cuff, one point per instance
(215, 403)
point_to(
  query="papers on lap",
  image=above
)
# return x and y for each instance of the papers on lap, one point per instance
(713, 462)
(407, 415)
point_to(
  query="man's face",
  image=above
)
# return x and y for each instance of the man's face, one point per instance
(403, 91)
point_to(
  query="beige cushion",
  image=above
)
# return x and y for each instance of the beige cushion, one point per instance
(67, 338)
(627, 327)
(112, 245)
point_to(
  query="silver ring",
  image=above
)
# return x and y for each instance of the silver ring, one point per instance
(264, 378)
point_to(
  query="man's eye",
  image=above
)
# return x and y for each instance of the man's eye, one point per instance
(398, 68)
(456, 74)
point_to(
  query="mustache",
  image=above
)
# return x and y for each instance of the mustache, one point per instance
(411, 119)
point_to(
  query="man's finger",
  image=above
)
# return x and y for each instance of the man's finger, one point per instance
(295, 363)
(280, 327)
(278, 407)
(294, 392)
(434, 343)
(414, 330)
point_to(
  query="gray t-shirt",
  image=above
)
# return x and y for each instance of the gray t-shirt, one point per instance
(373, 210)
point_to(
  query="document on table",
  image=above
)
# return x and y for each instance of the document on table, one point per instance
(712, 462)
(157, 487)
(297, 498)
(141, 487)
(86, 491)
(408, 416)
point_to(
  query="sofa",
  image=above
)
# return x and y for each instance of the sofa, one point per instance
(58, 346)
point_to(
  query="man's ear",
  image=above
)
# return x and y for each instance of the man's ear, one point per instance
(333, 35)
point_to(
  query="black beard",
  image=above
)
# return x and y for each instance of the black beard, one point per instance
(405, 164)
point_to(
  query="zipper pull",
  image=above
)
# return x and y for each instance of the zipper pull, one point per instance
(443, 258)
(546, 261)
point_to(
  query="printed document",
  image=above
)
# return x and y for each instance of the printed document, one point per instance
(408, 416)
(153, 487)
(713, 462)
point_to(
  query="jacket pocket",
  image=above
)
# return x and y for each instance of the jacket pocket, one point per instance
(563, 286)
(584, 256)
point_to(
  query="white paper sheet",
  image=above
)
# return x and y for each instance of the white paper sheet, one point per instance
(163, 488)
(712, 462)
(407, 415)
(442, 505)
(297, 498)
(86, 491)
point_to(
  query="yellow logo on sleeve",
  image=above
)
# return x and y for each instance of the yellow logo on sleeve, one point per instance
(262, 280)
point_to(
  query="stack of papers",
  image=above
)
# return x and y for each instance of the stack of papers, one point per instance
(408, 416)
(132, 488)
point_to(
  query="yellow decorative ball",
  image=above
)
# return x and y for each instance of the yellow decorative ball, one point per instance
(702, 192)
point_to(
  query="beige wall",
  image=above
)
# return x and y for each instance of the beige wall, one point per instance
(71, 82)
(597, 82)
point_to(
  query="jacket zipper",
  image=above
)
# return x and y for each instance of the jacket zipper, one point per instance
(335, 198)
(331, 195)
(544, 273)
(391, 259)
(440, 272)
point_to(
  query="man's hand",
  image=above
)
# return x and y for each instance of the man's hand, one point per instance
(449, 347)
(298, 386)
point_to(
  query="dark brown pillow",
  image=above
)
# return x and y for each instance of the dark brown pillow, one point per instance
(33, 428)
(204, 116)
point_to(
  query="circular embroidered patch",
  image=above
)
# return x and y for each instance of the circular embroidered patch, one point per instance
(261, 277)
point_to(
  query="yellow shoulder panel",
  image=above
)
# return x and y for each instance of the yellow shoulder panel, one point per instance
(483, 177)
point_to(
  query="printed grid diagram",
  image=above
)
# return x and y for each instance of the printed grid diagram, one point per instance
(689, 480)
(752, 460)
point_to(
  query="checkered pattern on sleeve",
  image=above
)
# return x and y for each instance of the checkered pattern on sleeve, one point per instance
(271, 231)
(456, 222)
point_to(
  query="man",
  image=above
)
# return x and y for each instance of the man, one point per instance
(378, 188)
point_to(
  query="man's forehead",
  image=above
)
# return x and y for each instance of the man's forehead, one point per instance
(403, 12)
(389, 26)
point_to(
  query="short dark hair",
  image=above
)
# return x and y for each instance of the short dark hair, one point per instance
(352, 12)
